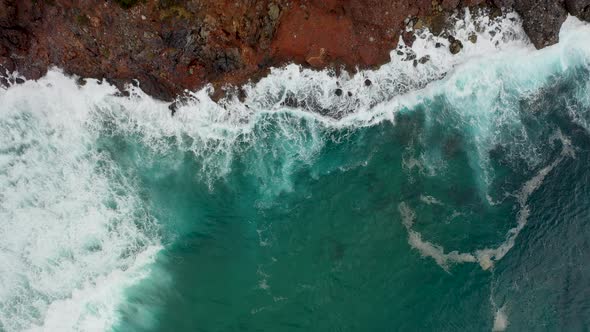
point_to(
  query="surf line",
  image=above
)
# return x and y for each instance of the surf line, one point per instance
(488, 256)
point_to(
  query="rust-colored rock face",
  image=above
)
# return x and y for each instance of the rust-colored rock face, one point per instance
(167, 45)
(173, 45)
(346, 30)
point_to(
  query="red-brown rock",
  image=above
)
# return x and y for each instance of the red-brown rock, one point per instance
(173, 45)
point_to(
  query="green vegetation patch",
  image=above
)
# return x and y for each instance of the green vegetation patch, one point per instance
(82, 20)
(127, 3)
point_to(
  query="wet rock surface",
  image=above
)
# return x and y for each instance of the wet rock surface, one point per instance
(579, 8)
(170, 46)
(455, 45)
(542, 20)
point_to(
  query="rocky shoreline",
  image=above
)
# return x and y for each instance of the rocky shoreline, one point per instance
(170, 46)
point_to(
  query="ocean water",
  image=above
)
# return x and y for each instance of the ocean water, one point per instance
(449, 196)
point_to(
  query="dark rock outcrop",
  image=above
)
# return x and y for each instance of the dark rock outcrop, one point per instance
(542, 20)
(455, 45)
(173, 45)
(579, 8)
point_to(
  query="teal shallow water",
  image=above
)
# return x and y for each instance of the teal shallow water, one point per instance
(460, 206)
(330, 252)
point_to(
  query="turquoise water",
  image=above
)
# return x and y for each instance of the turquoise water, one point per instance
(460, 206)
(285, 244)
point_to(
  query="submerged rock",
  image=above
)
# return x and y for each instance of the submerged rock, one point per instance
(424, 59)
(290, 100)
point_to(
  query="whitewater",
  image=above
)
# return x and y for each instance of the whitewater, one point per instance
(108, 203)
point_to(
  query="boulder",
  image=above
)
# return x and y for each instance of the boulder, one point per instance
(424, 59)
(455, 46)
(542, 20)
(579, 8)
(409, 38)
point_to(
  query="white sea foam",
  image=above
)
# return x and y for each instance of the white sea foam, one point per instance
(73, 232)
(395, 85)
(500, 321)
(428, 249)
(430, 200)
(482, 93)
(486, 257)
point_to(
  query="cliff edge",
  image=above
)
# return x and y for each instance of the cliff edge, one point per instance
(173, 45)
